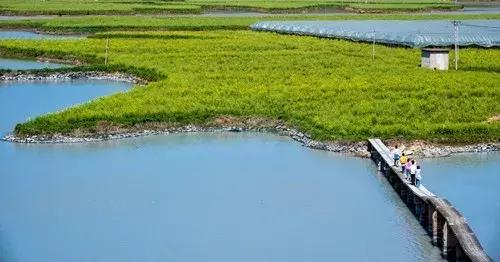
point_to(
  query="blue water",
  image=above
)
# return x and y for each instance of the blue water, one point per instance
(472, 183)
(19, 64)
(211, 197)
(33, 35)
(20, 101)
(204, 197)
(189, 197)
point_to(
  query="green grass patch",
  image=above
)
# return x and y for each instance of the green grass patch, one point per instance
(91, 7)
(117, 23)
(328, 88)
(94, 7)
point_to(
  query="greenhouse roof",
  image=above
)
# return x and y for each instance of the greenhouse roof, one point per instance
(485, 33)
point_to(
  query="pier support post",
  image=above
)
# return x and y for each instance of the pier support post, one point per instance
(437, 229)
(419, 211)
(410, 201)
(459, 254)
(430, 220)
(424, 213)
(402, 191)
(449, 243)
(445, 240)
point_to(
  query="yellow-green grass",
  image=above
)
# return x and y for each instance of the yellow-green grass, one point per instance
(331, 89)
(83, 7)
(107, 23)
(86, 7)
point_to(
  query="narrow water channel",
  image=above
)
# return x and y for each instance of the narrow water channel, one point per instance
(26, 64)
(20, 64)
(4, 34)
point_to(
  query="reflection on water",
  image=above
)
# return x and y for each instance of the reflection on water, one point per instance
(472, 184)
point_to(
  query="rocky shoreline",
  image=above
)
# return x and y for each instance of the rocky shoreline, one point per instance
(416, 148)
(58, 76)
(357, 149)
(427, 150)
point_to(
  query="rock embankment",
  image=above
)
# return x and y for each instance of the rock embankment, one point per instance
(428, 150)
(354, 148)
(58, 76)
(416, 148)
(357, 149)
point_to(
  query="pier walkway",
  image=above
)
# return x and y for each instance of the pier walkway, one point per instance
(446, 226)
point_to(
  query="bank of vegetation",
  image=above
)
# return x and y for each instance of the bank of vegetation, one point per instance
(331, 89)
(129, 7)
(92, 24)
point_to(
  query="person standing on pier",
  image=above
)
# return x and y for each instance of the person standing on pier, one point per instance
(413, 171)
(403, 161)
(418, 176)
(407, 168)
(396, 155)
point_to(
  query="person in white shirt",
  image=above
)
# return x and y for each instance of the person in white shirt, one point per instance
(396, 155)
(413, 172)
(418, 176)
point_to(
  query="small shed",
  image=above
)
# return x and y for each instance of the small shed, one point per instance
(435, 58)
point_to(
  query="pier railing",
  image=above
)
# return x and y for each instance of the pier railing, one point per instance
(445, 225)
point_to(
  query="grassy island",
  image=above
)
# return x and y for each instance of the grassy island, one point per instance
(331, 89)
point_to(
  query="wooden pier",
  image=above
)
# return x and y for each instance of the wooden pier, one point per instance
(447, 228)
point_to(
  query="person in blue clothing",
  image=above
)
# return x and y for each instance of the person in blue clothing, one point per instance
(418, 176)
(396, 155)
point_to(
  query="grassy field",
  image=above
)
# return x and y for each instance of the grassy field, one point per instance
(107, 23)
(86, 7)
(329, 88)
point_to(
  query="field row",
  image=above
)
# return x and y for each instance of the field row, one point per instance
(88, 7)
(107, 23)
(331, 89)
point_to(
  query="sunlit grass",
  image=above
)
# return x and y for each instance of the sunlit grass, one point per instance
(329, 88)
(107, 23)
(87, 7)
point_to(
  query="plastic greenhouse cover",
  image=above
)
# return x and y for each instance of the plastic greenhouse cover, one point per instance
(485, 33)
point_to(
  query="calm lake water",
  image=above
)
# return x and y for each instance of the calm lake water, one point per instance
(189, 197)
(472, 183)
(212, 197)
